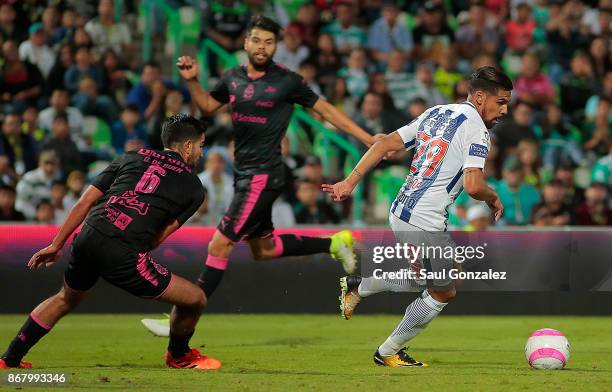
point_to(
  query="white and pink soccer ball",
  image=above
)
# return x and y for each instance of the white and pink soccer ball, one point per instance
(548, 349)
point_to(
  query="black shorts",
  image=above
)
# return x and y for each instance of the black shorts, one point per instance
(94, 255)
(249, 215)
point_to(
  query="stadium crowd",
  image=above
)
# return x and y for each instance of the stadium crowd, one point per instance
(74, 94)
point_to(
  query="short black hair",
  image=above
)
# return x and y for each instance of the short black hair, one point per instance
(61, 115)
(263, 23)
(130, 107)
(7, 188)
(179, 128)
(489, 79)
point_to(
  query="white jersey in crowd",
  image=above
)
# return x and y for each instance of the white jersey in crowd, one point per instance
(447, 139)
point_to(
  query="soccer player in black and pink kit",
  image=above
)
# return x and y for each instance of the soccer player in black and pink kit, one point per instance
(261, 95)
(131, 207)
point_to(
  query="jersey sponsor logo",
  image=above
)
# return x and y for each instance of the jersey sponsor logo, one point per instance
(241, 117)
(129, 199)
(270, 90)
(265, 104)
(478, 150)
(249, 91)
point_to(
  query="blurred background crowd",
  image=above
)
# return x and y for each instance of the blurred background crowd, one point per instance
(75, 92)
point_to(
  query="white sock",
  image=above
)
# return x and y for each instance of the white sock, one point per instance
(418, 315)
(371, 285)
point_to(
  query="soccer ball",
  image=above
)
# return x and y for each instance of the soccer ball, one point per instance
(548, 349)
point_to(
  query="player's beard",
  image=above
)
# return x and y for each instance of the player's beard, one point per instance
(260, 66)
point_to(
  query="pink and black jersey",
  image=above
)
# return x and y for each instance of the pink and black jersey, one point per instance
(144, 191)
(261, 109)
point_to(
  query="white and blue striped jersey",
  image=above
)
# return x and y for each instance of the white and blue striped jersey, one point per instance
(446, 139)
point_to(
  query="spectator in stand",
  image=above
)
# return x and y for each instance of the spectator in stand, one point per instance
(35, 185)
(528, 154)
(600, 55)
(416, 107)
(106, 33)
(328, 62)
(29, 124)
(398, 80)
(8, 213)
(173, 104)
(218, 185)
(370, 116)
(90, 103)
(224, 22)
(342, 99)
(514, 129)
(309, 17)
(564, 36)
(447, 76)
(8, 176)
(564, 173)
(115, 76)
(36, 51)
(517, 197)
(20, 81)
(60, 101)
(148, 95)
(10, 30)
(75, 185)
(561, 139)
(310, 209)
(65, 60)
(422, 86)
(308, 71)
(519, 30)
(83, 66)
(54, 32)
(532, 86)
(478, 217)
(291, 51)
(45, 213)
(552, 208)
(128, 127)
(395, 118)
(595, 210)
(69, 19)
(58, 194)
(389, 34)
(355, 73)
(347, 35)
(433, 36)
(577, 87)
(63, 145)
(17, 146)
(477, 35)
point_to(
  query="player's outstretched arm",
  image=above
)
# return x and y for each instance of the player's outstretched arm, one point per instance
(476, 186)
(188, 69)
(341, 121)
(343, 189)
(51, 253)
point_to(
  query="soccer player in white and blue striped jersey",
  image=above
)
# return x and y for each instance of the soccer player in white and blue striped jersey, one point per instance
(451, 145)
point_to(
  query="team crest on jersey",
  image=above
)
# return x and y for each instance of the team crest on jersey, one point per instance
(249, 91)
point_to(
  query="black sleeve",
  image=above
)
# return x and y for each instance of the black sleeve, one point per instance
(221, 92)
(300, 92)
(105, 179)
(195, 204)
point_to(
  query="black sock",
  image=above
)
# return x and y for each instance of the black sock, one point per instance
(179, 345)
(295, 245)
(29, 334)
(209, 279)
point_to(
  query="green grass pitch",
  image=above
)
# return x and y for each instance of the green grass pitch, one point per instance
(320, 353)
